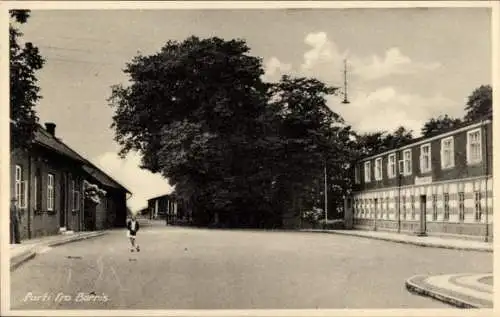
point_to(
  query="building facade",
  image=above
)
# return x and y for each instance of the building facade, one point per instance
(168, 208)
(48, 183)
(436, 185)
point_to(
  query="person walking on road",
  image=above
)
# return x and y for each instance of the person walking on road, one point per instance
(132, 228)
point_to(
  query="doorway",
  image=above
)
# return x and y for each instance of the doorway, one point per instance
(62, 203)
(423, 215)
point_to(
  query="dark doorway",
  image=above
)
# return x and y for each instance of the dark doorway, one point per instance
(89, 217)
(423, 214)
(62, 203)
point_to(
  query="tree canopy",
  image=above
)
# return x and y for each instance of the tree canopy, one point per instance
(376, 142)
(199, 113)
(438, 125)
(479, 103)
(24, 61)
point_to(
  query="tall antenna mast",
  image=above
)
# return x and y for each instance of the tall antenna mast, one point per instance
(345, 101)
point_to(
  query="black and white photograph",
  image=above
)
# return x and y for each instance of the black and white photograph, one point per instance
(248, 157)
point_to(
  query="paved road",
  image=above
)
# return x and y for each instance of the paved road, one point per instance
(208, 269)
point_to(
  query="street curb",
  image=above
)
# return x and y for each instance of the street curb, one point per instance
(448, 299)
(24, 257)
(421, 244)
(17, 261)
(79, 238)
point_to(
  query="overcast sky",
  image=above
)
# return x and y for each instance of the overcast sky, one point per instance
(405, 65)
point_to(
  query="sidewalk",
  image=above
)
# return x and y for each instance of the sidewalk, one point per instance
(460, 290)
(429, 241)
(28, 249)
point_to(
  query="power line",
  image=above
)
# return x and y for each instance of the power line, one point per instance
(64, 48)
(69, 60)
(52, 47)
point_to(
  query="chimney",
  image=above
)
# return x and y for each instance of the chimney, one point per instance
(51, 128)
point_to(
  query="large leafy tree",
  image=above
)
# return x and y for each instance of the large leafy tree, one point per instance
(479, 104)
(193, 110)
(25, 60)
(440, 124)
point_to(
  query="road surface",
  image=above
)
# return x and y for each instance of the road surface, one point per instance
(182, 268)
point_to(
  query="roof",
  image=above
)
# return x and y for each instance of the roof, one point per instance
(44, 138)
(102, 177)
(440, 134)
(160, 196)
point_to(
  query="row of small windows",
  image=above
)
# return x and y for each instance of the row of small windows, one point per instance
(21, 191)
(474, 156)
(363, 207)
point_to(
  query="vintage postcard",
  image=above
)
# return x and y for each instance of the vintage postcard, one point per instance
(248, 158)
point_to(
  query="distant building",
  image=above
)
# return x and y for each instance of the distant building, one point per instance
(48, 182)
(143, 211)
(435, 185)
(169, 208)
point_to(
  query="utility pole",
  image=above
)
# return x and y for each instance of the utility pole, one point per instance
(326, 197)
(486, 236)
(399, 167)
(345, 101)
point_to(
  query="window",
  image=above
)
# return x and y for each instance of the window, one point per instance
(368, 167)
(474, 154)
(20, 189)
(75, 194)
(425, 158)
(378, 169)
(50, 192)
(412, 200)
(461, 207)
(446, 198)
(407, 162)
(447, 153)
(391, 166)
(356, 175)
(478, 210)
(434, 207)
(401, 167)
(18, 180)
(404, 206)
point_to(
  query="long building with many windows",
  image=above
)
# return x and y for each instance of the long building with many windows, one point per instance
(435, 185)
